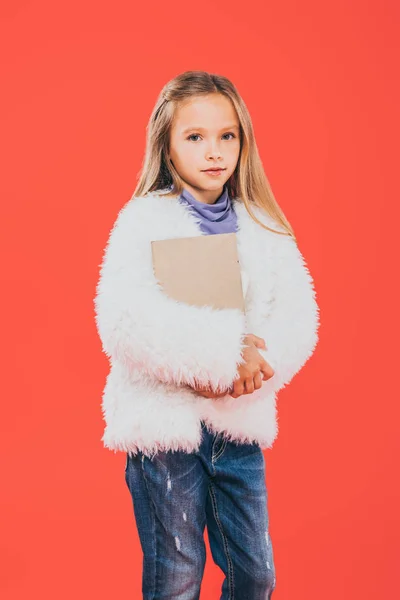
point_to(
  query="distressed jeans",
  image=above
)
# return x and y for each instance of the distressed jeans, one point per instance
(176, 494)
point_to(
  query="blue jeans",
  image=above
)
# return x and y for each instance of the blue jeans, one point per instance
(175, 494)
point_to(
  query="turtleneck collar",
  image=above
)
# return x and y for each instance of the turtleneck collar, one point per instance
(219, 217)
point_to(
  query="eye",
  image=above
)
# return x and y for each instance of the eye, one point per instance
(197, 135)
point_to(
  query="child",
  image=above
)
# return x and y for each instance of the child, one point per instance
(191, 394)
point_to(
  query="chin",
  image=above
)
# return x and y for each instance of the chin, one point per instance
(205, 183)
(212, 184)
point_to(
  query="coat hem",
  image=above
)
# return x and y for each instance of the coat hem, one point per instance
(150, 449)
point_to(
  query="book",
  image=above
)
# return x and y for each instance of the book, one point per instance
(202, 270)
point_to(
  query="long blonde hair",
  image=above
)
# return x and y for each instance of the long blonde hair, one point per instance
(248, 183)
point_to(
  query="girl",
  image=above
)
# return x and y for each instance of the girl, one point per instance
(191, 393)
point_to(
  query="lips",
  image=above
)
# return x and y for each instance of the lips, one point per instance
(214, 169)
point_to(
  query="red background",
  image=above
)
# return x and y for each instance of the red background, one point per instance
(321, 81)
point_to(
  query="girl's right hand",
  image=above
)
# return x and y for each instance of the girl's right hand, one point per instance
(207, 393)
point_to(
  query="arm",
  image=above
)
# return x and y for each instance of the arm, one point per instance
(142, 327)
(290, 327)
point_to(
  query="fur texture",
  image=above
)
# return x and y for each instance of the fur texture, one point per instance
(156, 345)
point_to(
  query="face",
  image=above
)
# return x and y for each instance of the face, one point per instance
(205, 134)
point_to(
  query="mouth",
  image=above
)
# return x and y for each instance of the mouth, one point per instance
(214, 171)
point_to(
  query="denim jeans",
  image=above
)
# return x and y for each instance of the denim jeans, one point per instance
(175, 494)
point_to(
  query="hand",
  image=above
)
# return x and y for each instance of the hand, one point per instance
(257, 341)
(243, 385)
(249, 373)
(206, 392)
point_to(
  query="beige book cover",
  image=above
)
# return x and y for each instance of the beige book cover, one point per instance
(201, 270)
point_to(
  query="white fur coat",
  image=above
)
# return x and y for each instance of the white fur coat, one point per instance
(155, 344)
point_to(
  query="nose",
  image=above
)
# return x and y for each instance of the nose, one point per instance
(214, 152)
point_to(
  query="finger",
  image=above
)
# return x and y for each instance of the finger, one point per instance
(267, 371)
(266, 375)
(258, 341)
(198, 386)
(249, 385)
(238, 389)
(220, 394)
(260, 344)
(202, 393)
(210, 395)
(257, 381)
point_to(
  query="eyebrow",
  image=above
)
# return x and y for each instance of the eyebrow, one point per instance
(195, 127)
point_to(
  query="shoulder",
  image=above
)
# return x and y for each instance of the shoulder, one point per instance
(148, 216)
(280, 252)
(139, 221)
(154, 216)
(140, 210)
(275, 242)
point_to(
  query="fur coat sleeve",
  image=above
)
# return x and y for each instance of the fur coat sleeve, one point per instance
(290, 327)
(143, 328)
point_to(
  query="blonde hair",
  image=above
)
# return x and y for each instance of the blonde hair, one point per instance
(248, 183)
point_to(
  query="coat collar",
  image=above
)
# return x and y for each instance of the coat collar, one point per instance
(176, 220)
